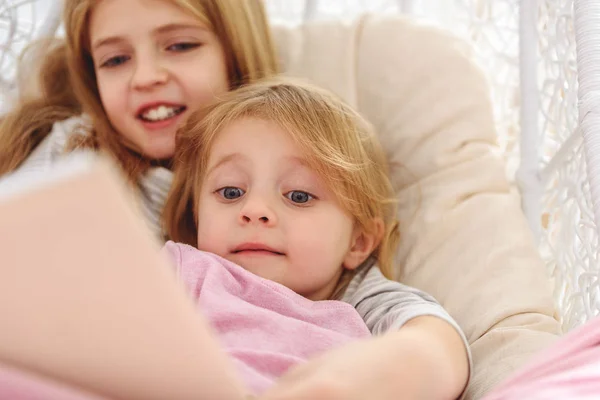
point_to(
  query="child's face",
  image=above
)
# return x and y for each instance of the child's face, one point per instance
(154, 64)
(263, 208)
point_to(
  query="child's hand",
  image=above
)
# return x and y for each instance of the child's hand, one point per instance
(426, 359)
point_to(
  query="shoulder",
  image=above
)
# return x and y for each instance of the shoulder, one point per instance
(370, 287)
(63, 130)
(54, 145)
(367, 278)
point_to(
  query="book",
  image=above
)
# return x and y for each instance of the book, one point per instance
(87, 301)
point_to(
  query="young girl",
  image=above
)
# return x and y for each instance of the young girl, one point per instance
(136, 69)
(289, 183)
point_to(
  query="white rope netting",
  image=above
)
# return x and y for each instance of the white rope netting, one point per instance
(569, 242)
(21, 21)
(548, 149)
(492, 27)
(545, 155)
(15, 32)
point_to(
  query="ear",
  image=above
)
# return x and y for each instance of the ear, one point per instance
(363, 243)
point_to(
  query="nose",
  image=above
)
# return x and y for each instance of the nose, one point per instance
(257, 210)
(149, 72)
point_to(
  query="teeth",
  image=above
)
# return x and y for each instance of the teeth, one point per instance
(160, 113)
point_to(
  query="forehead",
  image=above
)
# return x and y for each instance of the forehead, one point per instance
(136, 17)
(255, 136)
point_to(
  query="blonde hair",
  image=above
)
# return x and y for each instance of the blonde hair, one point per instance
(68, 83)
(339, 144)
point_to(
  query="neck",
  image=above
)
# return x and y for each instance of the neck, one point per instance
(168, 163)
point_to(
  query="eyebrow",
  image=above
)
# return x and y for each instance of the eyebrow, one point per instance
(294, 162)
(157, 31)
(299, 161)
(226, 159)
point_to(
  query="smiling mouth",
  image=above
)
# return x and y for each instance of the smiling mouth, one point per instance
(161, 113)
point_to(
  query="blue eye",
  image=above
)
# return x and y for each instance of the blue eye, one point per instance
(231, 193)
(183, 46)
(115, 61)
(299, 197)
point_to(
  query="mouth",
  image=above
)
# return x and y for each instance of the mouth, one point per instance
(159, 112)
(258, 249)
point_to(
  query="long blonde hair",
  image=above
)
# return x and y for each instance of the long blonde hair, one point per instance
(68, 83)
(339, 144)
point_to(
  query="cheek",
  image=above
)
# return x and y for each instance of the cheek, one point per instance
(328, 233)
(210, 82)
(204, 90)
(212, 230)
(112, 99)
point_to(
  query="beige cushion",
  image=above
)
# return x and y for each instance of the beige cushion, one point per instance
(464, 238)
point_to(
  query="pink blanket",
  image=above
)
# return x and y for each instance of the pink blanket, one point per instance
(268, 328)
(570, 369)
(263, 325)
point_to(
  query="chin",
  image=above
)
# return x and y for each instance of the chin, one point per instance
(267, 272)
(164, 154)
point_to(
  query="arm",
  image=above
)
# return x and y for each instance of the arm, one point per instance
(393, 309)
(426, 359)
(387, 305)
(418, 350)
(121, 320)
(432, 351)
